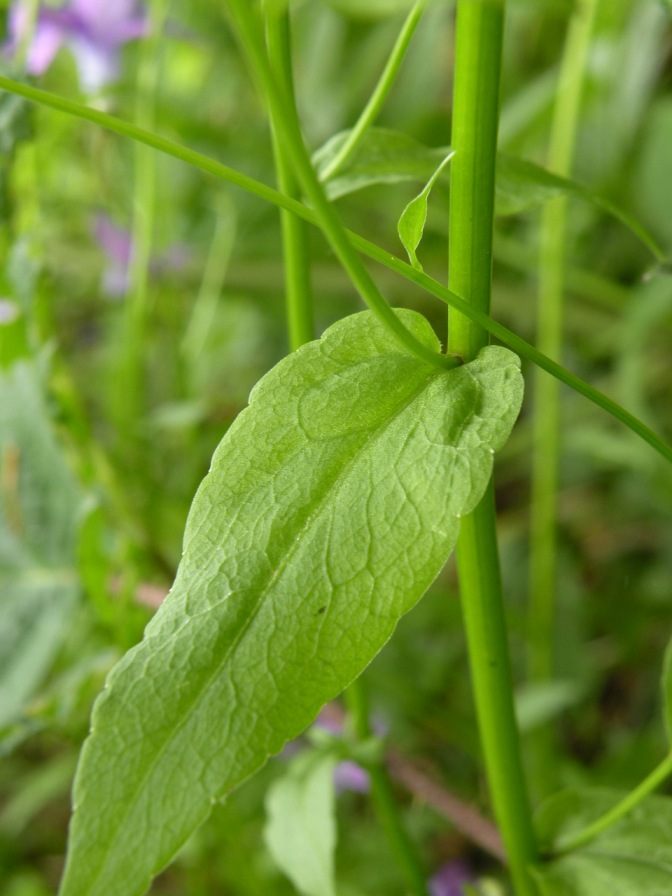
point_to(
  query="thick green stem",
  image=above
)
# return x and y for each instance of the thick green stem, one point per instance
(475, 117)
(546, 421)
(379, 95)
(366, 247)
(298, 294)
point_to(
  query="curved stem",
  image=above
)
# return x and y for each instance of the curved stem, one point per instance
(298, 296)
(300, 325)
(268, 194)
(478, 49)
(546, 420)
(627, 804)
(378, 97)
(247, 28)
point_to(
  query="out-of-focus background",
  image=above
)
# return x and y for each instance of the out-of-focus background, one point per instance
(140, 300)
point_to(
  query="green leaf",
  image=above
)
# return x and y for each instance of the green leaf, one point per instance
(387, 157)
(411, 224)
(39, 503)
(633, 856)
(522, 184)
(300, 829)
(331, 505)
(384, 157)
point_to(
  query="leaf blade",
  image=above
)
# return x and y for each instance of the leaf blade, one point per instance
(300, 829)
(283, 595)
(632, 856)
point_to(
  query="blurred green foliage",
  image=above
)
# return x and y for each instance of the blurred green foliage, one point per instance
(93, 514)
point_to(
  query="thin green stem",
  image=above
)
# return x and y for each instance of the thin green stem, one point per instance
(627, 804)
(214, 275)
(383, 796)
(367, 248)
(546, 420)
(285, 121)
(298, 293)
(378, 97)
(300, 324)
(127, 400)
(478, 49)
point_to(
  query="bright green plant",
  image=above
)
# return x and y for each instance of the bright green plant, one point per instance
(334, 499)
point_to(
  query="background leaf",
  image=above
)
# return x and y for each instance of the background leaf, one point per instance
(632, 856)
(301, 822)
(39, 503)
(331, 505)
(384, 157)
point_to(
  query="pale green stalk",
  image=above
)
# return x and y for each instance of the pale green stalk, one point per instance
(378, 97)
(298, 293)
(546, 420)
(212, 283)
(478, 51)
(367, 248)
(129, 388)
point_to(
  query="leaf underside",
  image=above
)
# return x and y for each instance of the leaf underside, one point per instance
(331, 505)
(634, 856)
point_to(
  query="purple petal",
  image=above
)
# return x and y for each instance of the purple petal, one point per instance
(450, 878)
(350, 776)
(117, 245)
(115, 242)
(97, 65)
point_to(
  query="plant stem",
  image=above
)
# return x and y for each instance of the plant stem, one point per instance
(298, 296)
(546, 420)
(366, 247)
(627, 804)
(383, 796)
(127, 400)
(378, 97)
(478, 50)
(247, 29)
(300, 325)
(214, 275)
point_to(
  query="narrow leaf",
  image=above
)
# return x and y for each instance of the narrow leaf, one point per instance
(522, 184)
(411, 224)
(301, 823)
(633, 856)
(331, 505)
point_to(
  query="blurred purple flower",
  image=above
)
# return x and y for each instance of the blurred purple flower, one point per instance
(117, 246)
(449, 880)
(93, 30)
(350, 776)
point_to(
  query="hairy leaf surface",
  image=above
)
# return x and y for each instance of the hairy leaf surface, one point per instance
(331, 505)
(633, 856)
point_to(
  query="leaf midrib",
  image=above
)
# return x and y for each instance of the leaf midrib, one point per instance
(375, 433)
